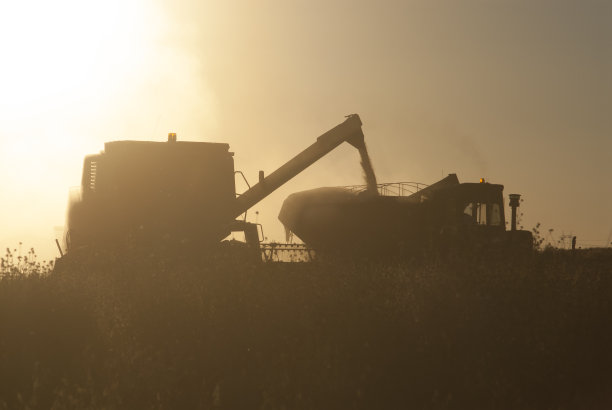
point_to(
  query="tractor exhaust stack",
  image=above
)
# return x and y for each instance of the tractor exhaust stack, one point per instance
(514, 203)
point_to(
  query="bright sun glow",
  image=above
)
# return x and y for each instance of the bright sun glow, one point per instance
(62, 61)
(68, 67)
(62, 54)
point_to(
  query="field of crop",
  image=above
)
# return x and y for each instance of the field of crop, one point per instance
(189, 331)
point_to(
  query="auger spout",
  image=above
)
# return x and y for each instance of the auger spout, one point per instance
(349, 131)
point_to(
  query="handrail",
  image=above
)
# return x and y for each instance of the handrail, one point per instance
(391, 188)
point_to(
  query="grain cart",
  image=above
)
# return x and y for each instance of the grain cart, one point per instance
(405, 219)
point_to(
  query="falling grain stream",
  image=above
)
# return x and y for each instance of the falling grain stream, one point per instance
(370, 177)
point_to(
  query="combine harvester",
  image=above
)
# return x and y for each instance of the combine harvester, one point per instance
(156, 195)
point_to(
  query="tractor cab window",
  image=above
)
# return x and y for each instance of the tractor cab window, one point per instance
(468, 210)
(476, 213)
(470, 213)
(481, 216)
(495, 217)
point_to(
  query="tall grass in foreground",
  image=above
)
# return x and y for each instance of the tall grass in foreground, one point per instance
(151, 331)
(14, 264)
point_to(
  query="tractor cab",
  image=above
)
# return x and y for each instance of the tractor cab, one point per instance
(481, 204)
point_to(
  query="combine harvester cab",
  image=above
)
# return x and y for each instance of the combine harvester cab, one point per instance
(149, 192)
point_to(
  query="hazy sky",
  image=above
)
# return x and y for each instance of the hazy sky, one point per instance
(518, 92)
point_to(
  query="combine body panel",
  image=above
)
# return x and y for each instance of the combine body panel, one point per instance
(153, 191)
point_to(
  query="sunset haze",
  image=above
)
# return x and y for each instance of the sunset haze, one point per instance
(516, 92)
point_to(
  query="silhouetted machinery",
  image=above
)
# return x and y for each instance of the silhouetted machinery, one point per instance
(147, 193)
(445, 215)
(150, 193)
